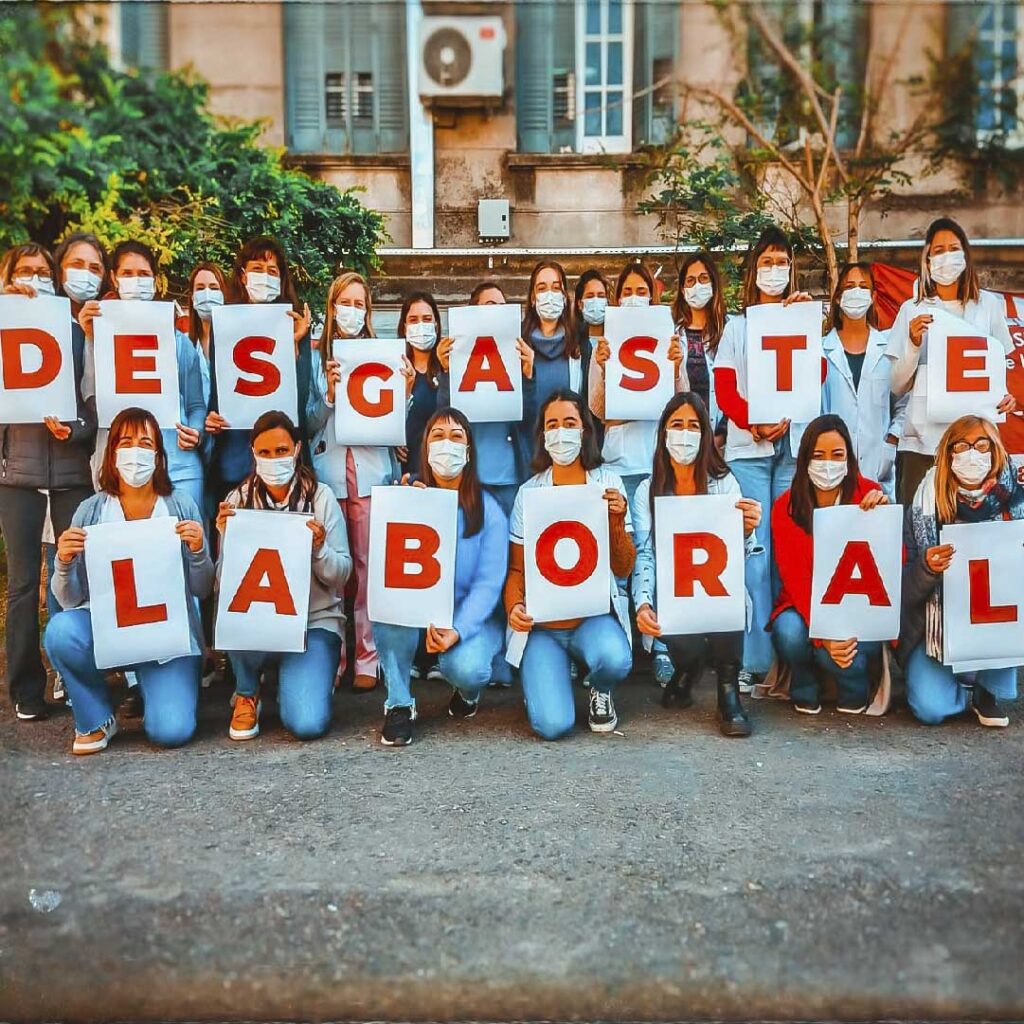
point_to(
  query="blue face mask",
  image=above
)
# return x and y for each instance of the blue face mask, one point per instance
(204, 299)
(593, 310)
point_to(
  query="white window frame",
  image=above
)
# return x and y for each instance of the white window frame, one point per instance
(1015, 138)
(622, 143)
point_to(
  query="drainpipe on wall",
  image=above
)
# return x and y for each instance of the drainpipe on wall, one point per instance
(421, 136)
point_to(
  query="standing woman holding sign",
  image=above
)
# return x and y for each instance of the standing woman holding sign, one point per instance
(134, 484)
(281, 483)
(687, 462)
(44, 465)
(133, 270)
(858, 377)
(207, 289)
(973, 481)
(567, 453)
(351, 471)
(419, 323)
(466, 651)
(629, 444)
(762, 456)
(948, 281)
(827, 473)
(261, 274)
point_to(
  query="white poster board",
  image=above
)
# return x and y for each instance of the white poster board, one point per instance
(265, 573)
(965, 372)
(784, 362)
(485, 373)
(639, 377)
(370, 399)
(413, 534)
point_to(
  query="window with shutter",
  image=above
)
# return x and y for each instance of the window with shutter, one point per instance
(999, 69)
(144, 36)
(604, 75)
(345, 77)
(545, 75)
(655, 56)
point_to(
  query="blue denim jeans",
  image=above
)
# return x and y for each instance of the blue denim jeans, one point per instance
(467, 665)
(790, 635)
(935, 692)
(547, 686)
(764, 479)
(501, 670)
(170, 691)
(305, 681)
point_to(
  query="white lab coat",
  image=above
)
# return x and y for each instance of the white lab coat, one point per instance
(868, 410)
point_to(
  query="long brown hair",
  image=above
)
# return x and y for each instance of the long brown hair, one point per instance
(640, 269)
(471, 499)
(801, 493)
(590, 453)
(531, 321)
(260, 248)
(134, 418)
(434, 364)
(715, 309)
(195, 324)
(771, 238)
(835, 311)
(9, 261)
(254, 490)
(946, 485)
(338, 285)
(968, 288)
(709, 462)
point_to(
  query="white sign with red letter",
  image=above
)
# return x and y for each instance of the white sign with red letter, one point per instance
(369, 400)
(566, 552)
(784, 362)
(486, 375)
(413, 532)
(982, 601)
(698, 541)
(265, 568)
(137, 599)
(37, 366)
(136, 360)
(254, 350)
(857, 583)
(639, 377)
(966, 370)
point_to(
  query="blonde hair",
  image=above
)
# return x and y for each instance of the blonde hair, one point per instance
(946, 484)
(338, 285)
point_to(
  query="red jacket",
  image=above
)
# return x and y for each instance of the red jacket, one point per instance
(793, 551)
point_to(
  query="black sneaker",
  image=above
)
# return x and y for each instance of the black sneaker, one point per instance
(459, 707)
(131, 706)
(806, 707)
(988, 711)
(397, 731)
(434, 671)
(602, 712)
(34, 709)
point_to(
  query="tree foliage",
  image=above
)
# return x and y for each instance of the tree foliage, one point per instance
(86, 146)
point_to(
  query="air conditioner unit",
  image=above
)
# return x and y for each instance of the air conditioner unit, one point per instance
(461, 60)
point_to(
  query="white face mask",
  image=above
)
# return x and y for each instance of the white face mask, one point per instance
(421, 336)
(593, 309)
(563, 444)
(447, 458)
(276, 472)
(855, 302)
(628, 301)
(826, 474)
(947, 267)
(82, 285)
(262, 287)
(682, 446)
(972, 468)
(135, 466)
(350, 319)
(549, 305)
(204, 299)
(143, 288)
(773, 280)
(698, 296)
(42, 285)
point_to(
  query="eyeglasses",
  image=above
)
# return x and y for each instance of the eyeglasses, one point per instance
(983, 445)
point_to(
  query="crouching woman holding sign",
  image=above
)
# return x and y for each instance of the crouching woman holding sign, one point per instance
(134, 485)
(973, 481)
(567, 453)
(464, 652)
(281, 483)
(827, 474)
(687, 462)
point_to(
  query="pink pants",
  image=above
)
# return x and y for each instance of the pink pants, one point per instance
(356, 511)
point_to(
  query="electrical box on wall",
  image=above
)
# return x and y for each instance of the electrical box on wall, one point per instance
(492, 220)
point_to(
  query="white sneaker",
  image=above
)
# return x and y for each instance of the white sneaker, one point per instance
(95, 741)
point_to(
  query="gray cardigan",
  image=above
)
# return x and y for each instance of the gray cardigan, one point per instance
(71, 585)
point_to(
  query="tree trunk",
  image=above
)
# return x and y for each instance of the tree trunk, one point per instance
(827, 245)
(853, 206)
